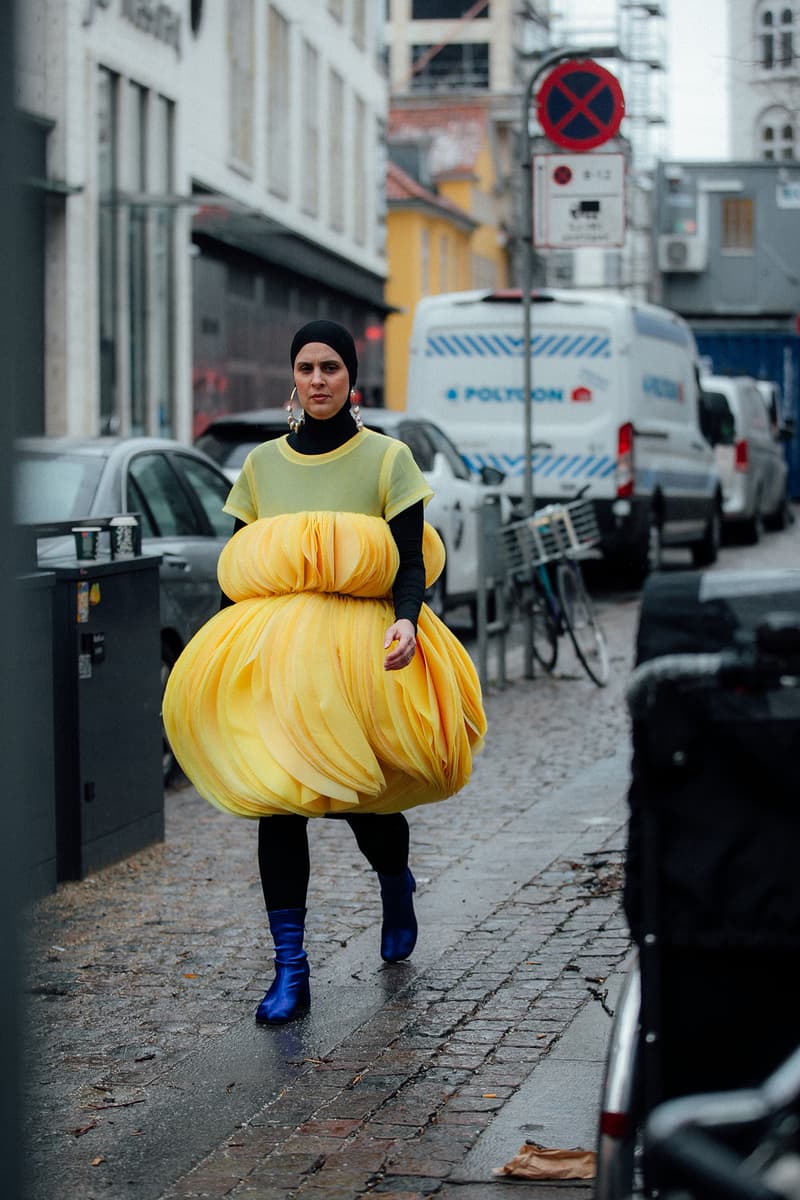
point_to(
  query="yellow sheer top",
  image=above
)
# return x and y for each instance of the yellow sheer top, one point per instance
(371, 474)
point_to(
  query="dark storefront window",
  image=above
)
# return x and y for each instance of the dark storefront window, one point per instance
(245, 315)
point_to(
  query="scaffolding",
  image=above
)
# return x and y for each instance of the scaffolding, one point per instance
(639, 30)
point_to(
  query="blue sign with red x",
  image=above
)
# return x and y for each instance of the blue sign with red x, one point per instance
(580, 105)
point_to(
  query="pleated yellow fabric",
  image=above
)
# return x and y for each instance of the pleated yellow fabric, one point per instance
(280, 703)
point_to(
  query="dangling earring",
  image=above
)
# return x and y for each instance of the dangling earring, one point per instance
(355, 410)
(294, 421)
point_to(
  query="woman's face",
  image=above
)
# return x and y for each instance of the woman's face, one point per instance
(321, 380)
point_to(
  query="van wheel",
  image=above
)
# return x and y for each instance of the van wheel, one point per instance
(754, 527)
(651, 550)
(707, 549)
(646, 556)
(778, 519)
(654, 558)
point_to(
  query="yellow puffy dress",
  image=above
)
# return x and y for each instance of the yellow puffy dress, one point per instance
(281, 704)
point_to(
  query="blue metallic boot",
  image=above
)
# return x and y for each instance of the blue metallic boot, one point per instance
(399, 929)
(289, 996)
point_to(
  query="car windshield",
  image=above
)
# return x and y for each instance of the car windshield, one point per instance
(230, 445)
(54, 486)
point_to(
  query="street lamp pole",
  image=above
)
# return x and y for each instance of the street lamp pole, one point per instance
(526, 238)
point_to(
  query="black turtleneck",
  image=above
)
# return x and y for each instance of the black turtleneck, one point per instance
(408, 592)
(320, 437)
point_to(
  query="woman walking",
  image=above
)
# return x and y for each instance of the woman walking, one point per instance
(326, 688)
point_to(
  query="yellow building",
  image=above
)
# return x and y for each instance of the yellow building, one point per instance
(428, 251)
(445, 229)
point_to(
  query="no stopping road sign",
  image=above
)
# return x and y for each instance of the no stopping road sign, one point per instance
(580, 105)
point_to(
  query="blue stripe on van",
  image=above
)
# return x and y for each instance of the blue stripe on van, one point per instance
(544, 465)
(466, 345)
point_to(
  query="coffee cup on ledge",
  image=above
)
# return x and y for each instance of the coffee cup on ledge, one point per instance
(124, 534)
(87, 538)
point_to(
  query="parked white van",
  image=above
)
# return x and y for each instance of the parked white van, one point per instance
(615, 407)
(751, 461)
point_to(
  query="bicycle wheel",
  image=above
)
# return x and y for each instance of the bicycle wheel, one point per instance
(544, 632)
(578, 614)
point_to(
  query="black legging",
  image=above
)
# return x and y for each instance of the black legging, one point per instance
(283, 859)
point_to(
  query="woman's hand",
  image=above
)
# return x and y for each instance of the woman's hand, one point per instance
(404, 637)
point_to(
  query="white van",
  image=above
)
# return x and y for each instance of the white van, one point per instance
(615, 407)
(751, 461)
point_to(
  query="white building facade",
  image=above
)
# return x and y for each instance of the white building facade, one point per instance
(765, 79)
(205, 171)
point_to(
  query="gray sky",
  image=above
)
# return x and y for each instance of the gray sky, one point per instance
(698, 70)
(697, 101)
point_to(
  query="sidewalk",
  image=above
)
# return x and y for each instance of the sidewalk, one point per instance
(151, 1081)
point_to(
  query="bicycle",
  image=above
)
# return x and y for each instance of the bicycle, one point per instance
(544, 582)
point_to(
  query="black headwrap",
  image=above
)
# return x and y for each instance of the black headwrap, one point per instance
(330, 334)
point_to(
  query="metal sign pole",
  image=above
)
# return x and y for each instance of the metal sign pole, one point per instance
(526, 238)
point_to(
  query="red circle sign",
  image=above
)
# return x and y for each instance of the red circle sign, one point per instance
(580, 105)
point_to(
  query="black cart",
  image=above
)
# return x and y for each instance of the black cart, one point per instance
(712, 879)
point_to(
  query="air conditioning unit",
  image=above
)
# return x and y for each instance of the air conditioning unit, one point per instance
(677, 253)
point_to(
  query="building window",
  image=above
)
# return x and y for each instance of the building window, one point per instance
(310, 144)
(787, 149)
(163, 285)
(138, 300)
(360, 23)
(360, 173)
(737, 223)
(776, 34)
(444, 263)
(444, 10)
(107, 238)
(767, 42)
(241, 81)
(787, 38)
(447, 67)
(424, 263)
(136, 258)
(337, 176)
(776, 135)
(278, 125)
(381, 204)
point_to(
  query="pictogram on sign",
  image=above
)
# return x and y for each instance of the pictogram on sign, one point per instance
(580, 105)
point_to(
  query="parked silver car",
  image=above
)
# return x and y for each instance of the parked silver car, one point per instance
(179, 494)
(452, 510)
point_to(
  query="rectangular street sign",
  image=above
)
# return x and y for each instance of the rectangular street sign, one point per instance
(578, 200)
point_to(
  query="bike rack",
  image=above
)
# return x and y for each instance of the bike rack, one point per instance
(506, 551)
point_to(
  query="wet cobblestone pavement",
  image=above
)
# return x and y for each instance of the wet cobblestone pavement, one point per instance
(147, 1075)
